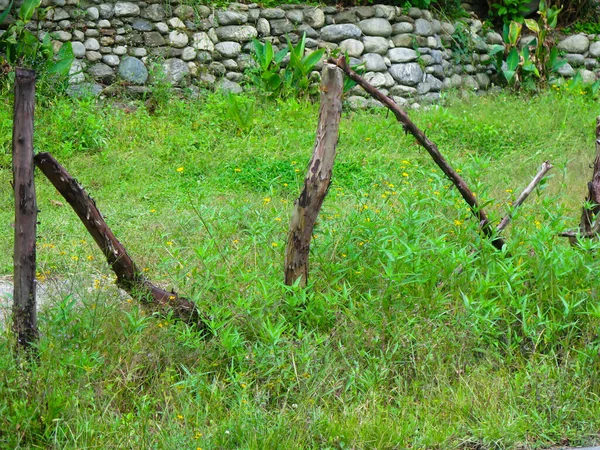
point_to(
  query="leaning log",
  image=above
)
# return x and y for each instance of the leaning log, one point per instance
(318, 177)
(592, 201)
(129, 277)
(431, 148)
(24, 305)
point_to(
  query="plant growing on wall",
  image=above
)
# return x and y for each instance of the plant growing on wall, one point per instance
(269, 75)
(20, 47)
(538, 59)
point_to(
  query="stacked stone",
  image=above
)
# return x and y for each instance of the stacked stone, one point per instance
(406, 54)
(582, 53)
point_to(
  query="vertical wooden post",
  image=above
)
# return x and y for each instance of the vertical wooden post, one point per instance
(318, 177)
(24, 306)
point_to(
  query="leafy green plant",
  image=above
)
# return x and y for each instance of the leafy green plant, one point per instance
(520, 67)
(295, 79)
(510, 10)
(19, 46)
(241, 111)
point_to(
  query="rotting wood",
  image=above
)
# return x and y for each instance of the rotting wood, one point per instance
(129, 277)
(546, 166)
(318, 177)
(431, 148)
(24, 302)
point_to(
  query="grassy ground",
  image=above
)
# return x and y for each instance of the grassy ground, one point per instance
(374, 354)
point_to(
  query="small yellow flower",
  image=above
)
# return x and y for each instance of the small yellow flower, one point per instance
(90, 258)
(458, 222)
(343, 255)
(277, 219)
(243, 385)
(436, 192)
(296, 170)
(235, 241)
(509, 191)
(179, 416)
(404, 161)
(237, 169)
(198, 435)
(285, 185)
(75, 258)
(129, 300)
(294, 163)
(266, 200)
(538, 224)
(274, 244)
(169, 243)
(180, 169)
(145, 269)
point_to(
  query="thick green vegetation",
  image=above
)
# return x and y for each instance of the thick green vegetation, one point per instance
(376, 353)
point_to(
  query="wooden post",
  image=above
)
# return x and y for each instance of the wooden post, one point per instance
(318, 177)
(129, 277)
(431, 148)
(24, 306)
(593, 198)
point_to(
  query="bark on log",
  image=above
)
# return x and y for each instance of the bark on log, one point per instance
(593, 197)
(546, 166)
(431, 148)
(129, 277)
(24, 305)
(318, 177)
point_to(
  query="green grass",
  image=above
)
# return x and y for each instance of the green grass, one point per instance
(374, 354)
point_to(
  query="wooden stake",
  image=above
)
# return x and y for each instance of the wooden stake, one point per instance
(431, 148)
(318, 177)
(588, 213)
(129, 277)
(24, 306)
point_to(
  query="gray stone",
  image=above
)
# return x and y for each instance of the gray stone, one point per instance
(409, 74)
(104, 23)
(374, 62)
(595, 49)
(207, 79)
(189, 54)
(389, 80)
(76, 74)
(178, 39)
(230, 64)
(229, 86)
(184, 12)
(142, 25)
(476, 26)
(365, 12)
(415, 13)
(161, 27)
(101, 71)
(587, 76)
(402, 28)
(111, 60)
(235, 76)
(60, 14)
(437, 26)
(153, 39)
(590, 63)
(84, 90)
(204, 57)
(138, 52)
(401, 55)
(93, 56)
(575, 59)
(91, 44)
(376, 79)
(338, 33)
(281, 26)
(230, 17)
(404, 40)
(176, 22)
(308, 30)
(154, 12)
(375, 27)
(448, 29)
(106, 11)
(133, 70)
(423, 27)
(62, 36)
(78, 49)
(263, 27)
(314, 17)
(295, 16)
(203, 11)
(352, 46)
(228, 49)
(375, 44)
(483, 81)
(126, 9)
(175, 70)
(494, 38)
(201, 41)
(120, 50)
(242, 33)
(347, 16)
(578, 43)
(469, 82)
(355, 102)
(217, 68)
(92, 13)
(272, 13)
(387, 12)
(403, 91)
(245, 62)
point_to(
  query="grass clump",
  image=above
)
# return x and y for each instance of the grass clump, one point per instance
(374, 354)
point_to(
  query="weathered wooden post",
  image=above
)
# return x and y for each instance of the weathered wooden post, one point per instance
(318, 177)
(24, 305)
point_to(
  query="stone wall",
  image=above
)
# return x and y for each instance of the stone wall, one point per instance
(407, 53)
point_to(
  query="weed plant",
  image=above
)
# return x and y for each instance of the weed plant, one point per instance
(375, 353)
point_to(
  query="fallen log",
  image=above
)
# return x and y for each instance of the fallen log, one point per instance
(431, 147)
(129, 276)
(24, 305)
(317, 179)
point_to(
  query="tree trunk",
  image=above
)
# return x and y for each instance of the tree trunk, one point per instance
(24, 306)
(318, 177)
(129, 277)
(431, 148)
